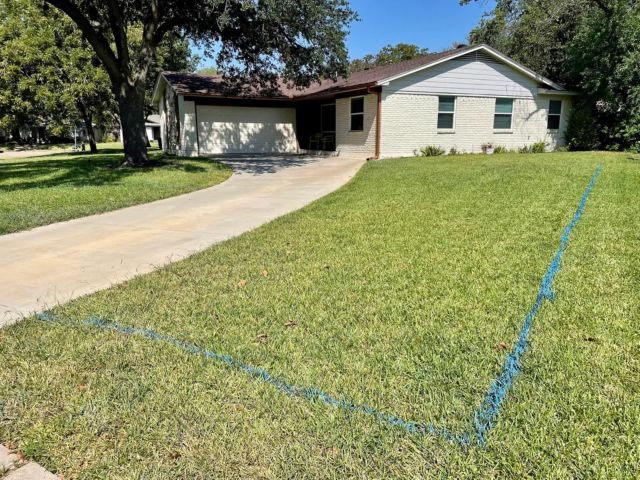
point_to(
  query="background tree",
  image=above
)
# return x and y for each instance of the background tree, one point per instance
(51, 75)
(301, 40)
(592, 46)
(208, 71)
(388, 55)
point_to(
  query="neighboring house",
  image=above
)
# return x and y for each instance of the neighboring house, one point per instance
(151, 126)
(463, 99)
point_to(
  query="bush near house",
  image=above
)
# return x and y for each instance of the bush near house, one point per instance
(500, 149)
(430, 151)
(538, 147)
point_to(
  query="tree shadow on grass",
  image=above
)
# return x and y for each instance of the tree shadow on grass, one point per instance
(80, 170)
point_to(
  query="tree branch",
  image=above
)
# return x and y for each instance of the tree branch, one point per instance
(150, 40)
(604, 7)
(99, 43)
(119, 33)
(164, 28)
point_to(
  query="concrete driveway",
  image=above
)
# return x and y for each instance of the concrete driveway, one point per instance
(16, 154)
(46, 266)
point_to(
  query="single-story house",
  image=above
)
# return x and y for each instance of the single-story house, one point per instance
(462, 98)
(151, 126)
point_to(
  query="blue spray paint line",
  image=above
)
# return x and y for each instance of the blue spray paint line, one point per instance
(310, 393)
(486, 415)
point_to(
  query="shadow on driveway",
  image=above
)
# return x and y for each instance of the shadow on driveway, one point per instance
(262, 164)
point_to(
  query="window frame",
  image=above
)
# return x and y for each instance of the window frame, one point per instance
(445, 112)
(555, 115)
(503, 114)
(353, 114)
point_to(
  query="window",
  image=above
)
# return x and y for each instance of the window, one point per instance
(446, 112)
(357, 114)
(503, 114)
(553, 118)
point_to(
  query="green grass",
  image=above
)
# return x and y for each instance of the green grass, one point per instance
(396, 291)
(41, 190)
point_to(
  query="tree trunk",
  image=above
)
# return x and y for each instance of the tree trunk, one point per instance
(87, 118)
(15, 134)
(134, 135)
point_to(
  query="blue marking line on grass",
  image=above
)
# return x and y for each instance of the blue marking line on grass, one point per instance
(485, 416)
(309, 393)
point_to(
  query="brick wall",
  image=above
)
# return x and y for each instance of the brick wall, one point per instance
(350, 143)
(409, 121)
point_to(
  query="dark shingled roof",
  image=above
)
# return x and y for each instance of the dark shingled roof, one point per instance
(201, 85)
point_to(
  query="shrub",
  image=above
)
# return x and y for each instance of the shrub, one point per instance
(538, 147)
(454, 151)
(635, 148)
(500, 149)
(430, 151)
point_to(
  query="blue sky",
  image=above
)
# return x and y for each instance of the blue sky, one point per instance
(434, 24)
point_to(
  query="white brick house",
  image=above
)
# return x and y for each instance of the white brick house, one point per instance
(460, 99)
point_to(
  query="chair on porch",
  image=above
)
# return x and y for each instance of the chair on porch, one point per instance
(328, 142)
(315, 141)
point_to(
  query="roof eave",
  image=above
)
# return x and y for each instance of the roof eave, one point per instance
(230, 97)
(567, 93)
(156, 89)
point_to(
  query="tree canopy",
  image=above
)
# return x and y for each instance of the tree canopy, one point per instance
(52, 76)
(258, 41)
(592, 46)
(388, 55)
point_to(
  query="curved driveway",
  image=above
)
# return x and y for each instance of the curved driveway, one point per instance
(43, 267)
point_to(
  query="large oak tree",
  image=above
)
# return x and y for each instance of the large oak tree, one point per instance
(258, 40)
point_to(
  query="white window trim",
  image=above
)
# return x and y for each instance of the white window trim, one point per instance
(351, 113)
(455, 107)
(559, 115)
(503, 130)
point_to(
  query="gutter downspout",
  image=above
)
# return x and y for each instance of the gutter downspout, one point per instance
(378, 92)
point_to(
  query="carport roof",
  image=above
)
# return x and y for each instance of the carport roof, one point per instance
(214, 86)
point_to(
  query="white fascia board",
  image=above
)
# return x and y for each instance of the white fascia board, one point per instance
(565, 93)
(494, 53)
(157, 88)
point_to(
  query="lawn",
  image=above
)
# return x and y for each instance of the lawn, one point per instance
(41, 190)
(405, 290)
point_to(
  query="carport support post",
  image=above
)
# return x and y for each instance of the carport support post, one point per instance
(195, 105)
(378, 93)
